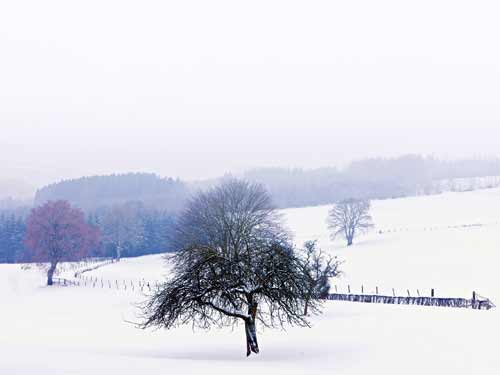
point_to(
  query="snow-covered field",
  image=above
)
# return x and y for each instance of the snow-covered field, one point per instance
(449, 242)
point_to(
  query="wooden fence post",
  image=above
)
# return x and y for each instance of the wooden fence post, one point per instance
(432, 292)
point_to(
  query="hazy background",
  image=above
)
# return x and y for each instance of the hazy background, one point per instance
(198, 88)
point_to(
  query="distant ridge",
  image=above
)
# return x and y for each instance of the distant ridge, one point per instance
(93, 192)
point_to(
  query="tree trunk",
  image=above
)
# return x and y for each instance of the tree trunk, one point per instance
(50, 273)
(118, 252)
(306, 306)
(349, 241)
(250, 330)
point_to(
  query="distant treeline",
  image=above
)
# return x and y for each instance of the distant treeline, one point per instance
(136, 211)
(135, 228)
(91, 193)
(370, 178)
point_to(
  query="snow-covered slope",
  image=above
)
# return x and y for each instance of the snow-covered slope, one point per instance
(149, 268)
(450, 242)
(71, 330)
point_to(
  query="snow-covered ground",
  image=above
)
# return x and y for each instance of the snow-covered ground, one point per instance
(449, 242)
(466, 184)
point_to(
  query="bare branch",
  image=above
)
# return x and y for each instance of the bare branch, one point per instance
(234, 263)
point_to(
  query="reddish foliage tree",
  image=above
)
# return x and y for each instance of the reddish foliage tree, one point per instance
(57, 232)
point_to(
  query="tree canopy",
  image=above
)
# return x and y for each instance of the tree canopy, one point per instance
(235, 263)
(349, 218)
(57, 232)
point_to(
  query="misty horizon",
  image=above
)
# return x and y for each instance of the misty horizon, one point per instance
(321, 178)
(23, 189)
(78, 155)
(194, 90)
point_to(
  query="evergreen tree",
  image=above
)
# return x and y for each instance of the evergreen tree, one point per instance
(12, 232)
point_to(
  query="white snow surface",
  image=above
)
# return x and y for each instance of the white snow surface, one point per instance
(449, 242)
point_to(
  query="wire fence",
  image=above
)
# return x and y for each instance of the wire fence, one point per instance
(415, 297)
(476, 302)
(142, 286)
(420, 299)
(410, 297)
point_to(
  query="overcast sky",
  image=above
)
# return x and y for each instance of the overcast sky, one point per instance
(198, 88)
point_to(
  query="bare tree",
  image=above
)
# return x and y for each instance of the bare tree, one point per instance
(319, 268)
(57, 232)
(120, 226)
(348, 218)
(234, 264)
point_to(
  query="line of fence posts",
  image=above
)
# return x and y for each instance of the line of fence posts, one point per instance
(474, 303)
(408, 292)
(132, 285)
(432, 292)
(436, 227)
(142, 285)
(432, 300)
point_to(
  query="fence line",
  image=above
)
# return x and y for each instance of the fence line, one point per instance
(477, 302)
(417, 298)
(102, 283)
(435, 227)
(93, 267)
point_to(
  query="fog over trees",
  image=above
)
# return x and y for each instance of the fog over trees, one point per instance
(12, 232)
(120, 226)
(91, 193)
(133, 229)
(153, 202)
(376, 178)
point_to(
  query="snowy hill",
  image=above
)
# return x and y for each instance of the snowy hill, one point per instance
(449, 242)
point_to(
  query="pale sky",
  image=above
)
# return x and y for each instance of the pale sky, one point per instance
(195, 89)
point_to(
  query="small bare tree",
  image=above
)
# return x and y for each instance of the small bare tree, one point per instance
(120, 227)
(234, 264)
(319, 268)
(348, 218)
